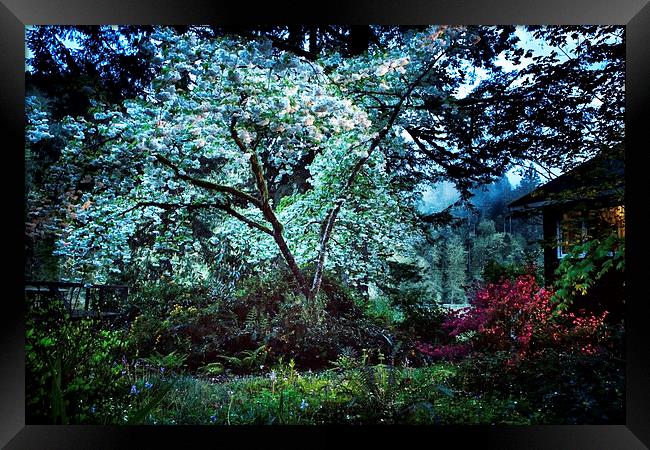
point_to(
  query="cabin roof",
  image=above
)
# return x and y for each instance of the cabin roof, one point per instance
(601, 177)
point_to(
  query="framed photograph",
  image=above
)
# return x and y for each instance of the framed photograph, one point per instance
(245, 222)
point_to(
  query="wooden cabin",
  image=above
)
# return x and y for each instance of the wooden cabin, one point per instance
(583, 203)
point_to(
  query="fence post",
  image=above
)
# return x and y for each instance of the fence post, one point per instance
(87, 300)
(102, 298)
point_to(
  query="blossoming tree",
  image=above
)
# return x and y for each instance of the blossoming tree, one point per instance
(221, 127)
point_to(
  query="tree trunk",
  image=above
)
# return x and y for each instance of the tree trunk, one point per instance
(322, 251)
(359, 39)
(268, 213)
(284, 249)
(313, 41)
(330, 219)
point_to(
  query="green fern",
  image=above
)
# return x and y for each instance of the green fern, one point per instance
(213, 368)
(171, 361)
(257, 323)
(247, 359)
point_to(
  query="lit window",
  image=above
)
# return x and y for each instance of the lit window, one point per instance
(576, 227)
(571, 231)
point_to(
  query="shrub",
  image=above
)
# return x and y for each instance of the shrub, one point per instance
(152, 335)
(271, 311)
(382, 311)
(422, 320)
(518, 317)
(514, 343)
(592, 277)
(266, 311)
(495, 272)
(503, 316)
(74, 371)
(154, 297)
(552, 386)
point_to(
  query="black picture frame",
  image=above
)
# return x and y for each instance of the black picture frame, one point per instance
(15, 14)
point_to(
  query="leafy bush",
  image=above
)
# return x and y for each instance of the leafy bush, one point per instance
(495, 272)
(382, 310)
(154, 297)
(73, 370)
(270, 311)
(552, 386)
(514, 343)
(592, 277)
(518, 317)
(422, 319)
(152, 334)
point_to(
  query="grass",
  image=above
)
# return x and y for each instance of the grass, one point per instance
(364, 395)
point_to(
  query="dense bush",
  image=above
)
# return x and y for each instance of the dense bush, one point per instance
(74, 371)
(553, 386)
(513, 342)
(165, 333)
(517, 316)
(155, 297)
(422, 319)
(267, 311)
(495, 272)
(270, 311)
(79, 372)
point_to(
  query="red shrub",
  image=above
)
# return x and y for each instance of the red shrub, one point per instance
(516, 316)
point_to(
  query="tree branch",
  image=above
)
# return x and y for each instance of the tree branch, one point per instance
(256, 167)
(391, 120)
(283, 45)
(190, 206)
(208, 184)
(269, 215)
(330, 218)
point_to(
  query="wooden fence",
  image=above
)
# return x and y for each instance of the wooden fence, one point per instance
(78, 299)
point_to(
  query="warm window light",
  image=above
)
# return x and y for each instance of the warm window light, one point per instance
(575, 227)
